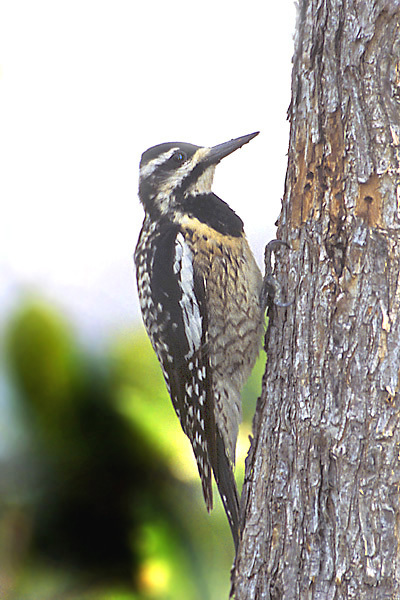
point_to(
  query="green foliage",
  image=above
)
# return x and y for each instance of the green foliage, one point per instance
(141, 396)
(114, 495)
(46, 367)
(43, 358)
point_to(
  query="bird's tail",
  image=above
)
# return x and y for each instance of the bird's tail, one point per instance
(226, 483)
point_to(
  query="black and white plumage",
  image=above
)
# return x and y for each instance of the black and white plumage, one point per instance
(199, 291)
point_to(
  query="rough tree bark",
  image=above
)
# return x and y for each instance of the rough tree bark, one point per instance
(320, 503)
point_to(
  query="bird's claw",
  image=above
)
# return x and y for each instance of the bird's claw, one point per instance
(271, 292)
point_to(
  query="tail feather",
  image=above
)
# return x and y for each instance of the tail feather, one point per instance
(226, 483)
(210, 453)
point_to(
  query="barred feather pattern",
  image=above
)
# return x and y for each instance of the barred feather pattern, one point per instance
(200, 305)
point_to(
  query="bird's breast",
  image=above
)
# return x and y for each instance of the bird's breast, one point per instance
(233, 284)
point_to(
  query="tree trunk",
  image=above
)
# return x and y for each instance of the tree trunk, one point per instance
(320, 503)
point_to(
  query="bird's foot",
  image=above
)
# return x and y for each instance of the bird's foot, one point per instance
(271, 292)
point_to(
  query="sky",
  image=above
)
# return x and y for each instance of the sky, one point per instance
(85, 87)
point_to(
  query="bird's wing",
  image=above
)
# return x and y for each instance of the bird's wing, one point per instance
(180, 341)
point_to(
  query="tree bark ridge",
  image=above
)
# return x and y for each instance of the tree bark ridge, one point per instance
(321, 495)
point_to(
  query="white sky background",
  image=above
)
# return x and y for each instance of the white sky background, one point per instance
(85, 87)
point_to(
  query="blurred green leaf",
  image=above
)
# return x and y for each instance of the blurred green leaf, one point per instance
(142, 397)
(119, 491)
(45, 364)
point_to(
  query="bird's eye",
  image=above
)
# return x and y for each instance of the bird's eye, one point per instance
(179, 157)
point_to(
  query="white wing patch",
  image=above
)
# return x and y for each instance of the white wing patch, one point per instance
(183, 268)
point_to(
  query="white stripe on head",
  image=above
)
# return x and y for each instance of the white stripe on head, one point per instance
(151, 166)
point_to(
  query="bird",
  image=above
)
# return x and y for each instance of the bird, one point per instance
(199, 289)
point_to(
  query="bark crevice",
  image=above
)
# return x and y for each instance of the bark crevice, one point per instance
(321, 495)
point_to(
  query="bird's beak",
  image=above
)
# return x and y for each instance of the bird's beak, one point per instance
(219, 152)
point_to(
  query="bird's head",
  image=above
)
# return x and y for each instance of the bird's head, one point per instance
(171, 172)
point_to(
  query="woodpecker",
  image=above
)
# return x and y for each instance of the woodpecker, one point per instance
(200, 295)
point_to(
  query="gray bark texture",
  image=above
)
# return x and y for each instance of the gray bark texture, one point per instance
(320, 504)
